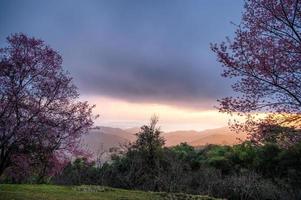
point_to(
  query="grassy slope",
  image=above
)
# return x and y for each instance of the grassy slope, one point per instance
(53, 192)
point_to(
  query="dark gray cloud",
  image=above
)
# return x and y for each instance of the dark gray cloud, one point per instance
(136, 50)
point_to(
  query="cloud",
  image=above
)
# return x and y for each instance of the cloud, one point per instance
(141, 51)
(138, 78)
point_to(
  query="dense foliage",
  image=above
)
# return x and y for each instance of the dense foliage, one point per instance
(264, 61)
(243, 171)
(41, 118)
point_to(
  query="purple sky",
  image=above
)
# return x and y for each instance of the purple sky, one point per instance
(133, 50)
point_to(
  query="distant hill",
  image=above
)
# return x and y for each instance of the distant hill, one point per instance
(220, 139)
(176, 137)
(116, 131)
(133, 130)
(104, 138)
(198, 138)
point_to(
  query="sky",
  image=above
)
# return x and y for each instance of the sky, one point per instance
(136, 58)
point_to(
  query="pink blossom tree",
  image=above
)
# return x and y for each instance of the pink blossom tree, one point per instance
(40, 115)
(265, 60)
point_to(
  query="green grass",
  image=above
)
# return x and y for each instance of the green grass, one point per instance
(54, 192)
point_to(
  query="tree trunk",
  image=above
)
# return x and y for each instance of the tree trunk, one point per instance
(4, 161)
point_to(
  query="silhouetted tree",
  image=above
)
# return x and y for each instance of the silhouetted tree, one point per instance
(149, 141)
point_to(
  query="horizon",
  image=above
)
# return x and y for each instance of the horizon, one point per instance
(161, 129)
(136, 59)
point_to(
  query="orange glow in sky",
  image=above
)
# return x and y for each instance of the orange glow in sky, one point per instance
(123, 114)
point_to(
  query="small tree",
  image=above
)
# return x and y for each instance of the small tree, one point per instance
(40, 116)
(149, 140)
(143, 159)
(264, 58)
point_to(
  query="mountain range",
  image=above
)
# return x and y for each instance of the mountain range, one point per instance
(105, 138)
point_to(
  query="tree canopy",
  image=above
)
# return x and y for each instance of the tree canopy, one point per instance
(41, 120)
(264, 59)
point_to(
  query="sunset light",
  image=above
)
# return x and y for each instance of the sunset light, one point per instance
(150, 99)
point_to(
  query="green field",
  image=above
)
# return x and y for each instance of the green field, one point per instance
(53, 192)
